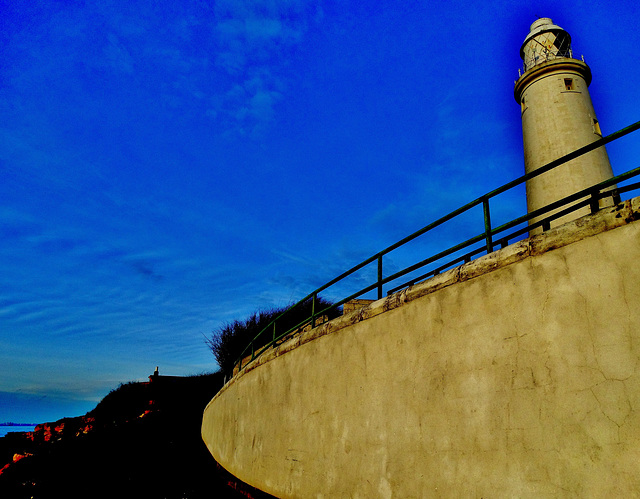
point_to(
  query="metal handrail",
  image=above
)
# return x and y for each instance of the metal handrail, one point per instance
(491, 237)
(546, 57)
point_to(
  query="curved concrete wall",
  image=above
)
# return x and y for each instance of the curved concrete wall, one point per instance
(515, 375)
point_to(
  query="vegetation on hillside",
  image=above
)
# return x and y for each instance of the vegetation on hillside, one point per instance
(141, 441)
(228, 342)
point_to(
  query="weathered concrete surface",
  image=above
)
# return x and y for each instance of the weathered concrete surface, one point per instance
(353, 305)
(515, 375)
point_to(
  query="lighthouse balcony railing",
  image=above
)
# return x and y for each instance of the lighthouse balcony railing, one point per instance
(486, 241)
(545, 56)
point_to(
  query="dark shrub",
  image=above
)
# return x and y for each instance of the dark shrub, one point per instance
(228, 342)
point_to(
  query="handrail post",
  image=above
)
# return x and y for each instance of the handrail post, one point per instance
(615, 196)
(313, 310)
(487, 224)
(274, 332)
(379, 277)
(594, 203)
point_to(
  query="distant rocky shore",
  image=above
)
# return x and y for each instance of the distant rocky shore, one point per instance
(142, 440)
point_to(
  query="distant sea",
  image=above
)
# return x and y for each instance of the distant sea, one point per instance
(8, 429)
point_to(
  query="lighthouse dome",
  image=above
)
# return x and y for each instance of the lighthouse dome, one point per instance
(544, 42)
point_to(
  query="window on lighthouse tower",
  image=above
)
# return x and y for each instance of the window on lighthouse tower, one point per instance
(596, 127)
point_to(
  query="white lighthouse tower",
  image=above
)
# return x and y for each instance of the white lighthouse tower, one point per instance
(557, 118)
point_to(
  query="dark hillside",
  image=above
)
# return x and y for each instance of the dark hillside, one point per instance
(141, 441)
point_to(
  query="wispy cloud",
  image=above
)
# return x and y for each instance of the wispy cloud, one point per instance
(118, 55)
(254, 39)
(23, 407)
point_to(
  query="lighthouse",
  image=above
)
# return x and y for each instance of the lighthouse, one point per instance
(557, 118)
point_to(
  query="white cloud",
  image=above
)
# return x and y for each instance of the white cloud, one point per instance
(254, 38)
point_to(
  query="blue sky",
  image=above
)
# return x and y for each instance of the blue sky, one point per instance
(169, 166)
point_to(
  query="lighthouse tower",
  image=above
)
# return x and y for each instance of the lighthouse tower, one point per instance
(557, 118)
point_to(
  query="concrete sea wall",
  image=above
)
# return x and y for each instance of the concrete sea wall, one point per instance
(517, 374)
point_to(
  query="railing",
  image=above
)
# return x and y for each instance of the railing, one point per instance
(490, 238)
(545, 56)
